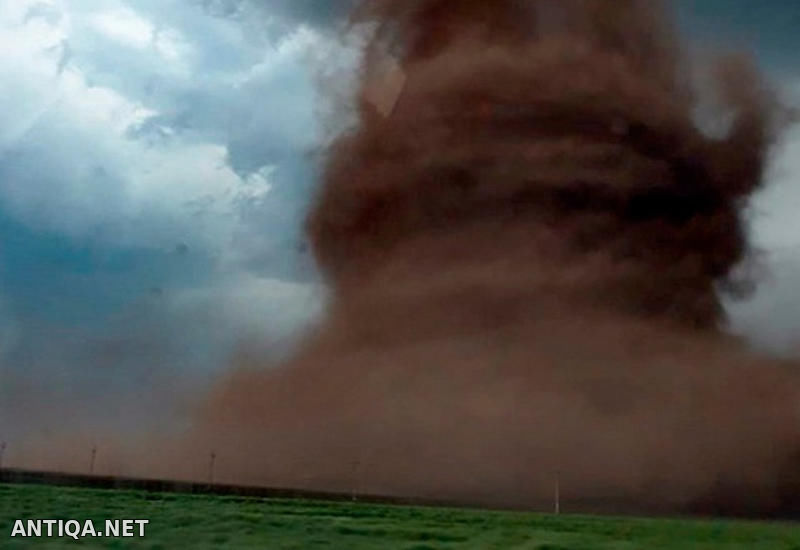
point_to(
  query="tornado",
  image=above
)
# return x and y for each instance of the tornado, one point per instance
(526, 234)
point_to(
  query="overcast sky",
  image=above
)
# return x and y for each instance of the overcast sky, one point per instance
(156, 157)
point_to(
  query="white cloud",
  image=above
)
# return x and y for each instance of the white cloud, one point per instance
(253, 309)
(774, 216)
(771, 317)
(171, 45)
(124, 25)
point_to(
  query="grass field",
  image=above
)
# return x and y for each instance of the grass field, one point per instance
(197, 522)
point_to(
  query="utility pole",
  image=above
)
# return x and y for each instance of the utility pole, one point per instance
(91, 462)
(211, 464)
(354, 494)
(2, 452)
(558, 494)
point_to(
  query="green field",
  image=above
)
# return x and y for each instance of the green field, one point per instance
(185, 521)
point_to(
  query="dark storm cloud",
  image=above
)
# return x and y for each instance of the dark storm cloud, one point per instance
(315, 12)
(767, 27)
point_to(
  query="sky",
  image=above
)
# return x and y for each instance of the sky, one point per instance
(156, 160)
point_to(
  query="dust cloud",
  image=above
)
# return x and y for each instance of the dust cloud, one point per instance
(526, 254)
